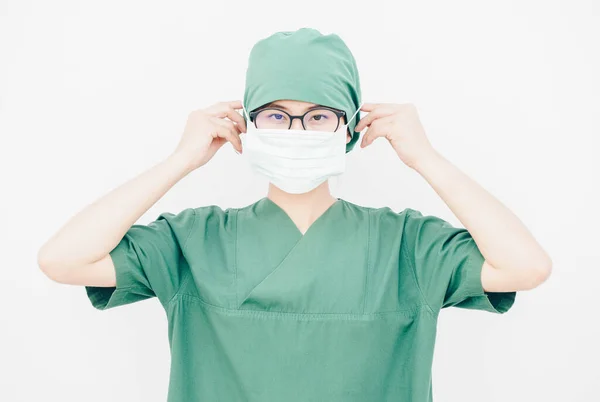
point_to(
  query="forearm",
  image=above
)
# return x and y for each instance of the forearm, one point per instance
(96, 230)
(502, 238)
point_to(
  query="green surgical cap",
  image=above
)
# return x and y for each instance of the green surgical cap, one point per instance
(304, 65)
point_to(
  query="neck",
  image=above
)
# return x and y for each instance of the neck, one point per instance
(304, 208)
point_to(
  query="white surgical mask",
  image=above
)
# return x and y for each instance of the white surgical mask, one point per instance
(296, 161)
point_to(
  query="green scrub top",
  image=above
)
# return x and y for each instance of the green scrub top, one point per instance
(257, 311)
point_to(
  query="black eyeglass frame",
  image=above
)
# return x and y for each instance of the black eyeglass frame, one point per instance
(338, 113)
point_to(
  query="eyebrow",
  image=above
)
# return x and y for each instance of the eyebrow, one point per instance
(275, 104)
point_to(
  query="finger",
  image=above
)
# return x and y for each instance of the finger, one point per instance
(232, 115)
(219, 107)
(234, 128)
(371, 117)
(379, 128)
(234, 104)
(368, 139)
(230, 132)
(367, 107)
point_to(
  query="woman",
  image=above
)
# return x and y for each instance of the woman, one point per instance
(300, 296)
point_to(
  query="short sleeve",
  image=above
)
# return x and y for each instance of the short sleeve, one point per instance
(447, 264)
(149, 262)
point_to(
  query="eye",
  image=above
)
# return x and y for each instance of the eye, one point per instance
(321, 117)
(318, 117)
(276, 116)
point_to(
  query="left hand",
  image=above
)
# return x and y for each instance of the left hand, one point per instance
(400, 125)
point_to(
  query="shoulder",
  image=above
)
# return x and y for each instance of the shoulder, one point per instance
(217, 220)
(176, 222)
(210, 219)
(381, 215)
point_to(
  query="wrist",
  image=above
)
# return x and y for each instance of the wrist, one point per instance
(180, 162)
(427, 161)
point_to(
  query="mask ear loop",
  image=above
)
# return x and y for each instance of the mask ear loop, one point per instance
(246, 113)
(355, 113)
(247, 123)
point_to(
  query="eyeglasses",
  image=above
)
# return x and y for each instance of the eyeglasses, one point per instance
(320, 118)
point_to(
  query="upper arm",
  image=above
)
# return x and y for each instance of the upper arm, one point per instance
(99, 273)
(449, 267)
(148, 261)
(509, 280)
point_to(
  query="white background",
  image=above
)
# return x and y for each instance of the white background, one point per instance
(94, 93)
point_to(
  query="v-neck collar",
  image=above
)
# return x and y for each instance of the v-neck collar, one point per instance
(289, 220)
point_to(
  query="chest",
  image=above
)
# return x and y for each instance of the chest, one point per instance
(342, 265)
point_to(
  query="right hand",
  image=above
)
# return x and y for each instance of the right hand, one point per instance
(207, 130)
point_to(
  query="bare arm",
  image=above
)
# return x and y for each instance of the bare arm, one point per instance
(91, 234)
(79, 252)
(514, 260)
